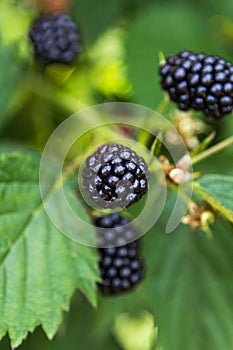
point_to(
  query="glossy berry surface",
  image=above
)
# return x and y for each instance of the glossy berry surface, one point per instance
(115, 176)
(200, 82)
(121, 267)
(55, 38)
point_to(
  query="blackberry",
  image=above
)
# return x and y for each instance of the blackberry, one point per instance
(55, 38)
(121, 267)
(115, 176)
(198, 81)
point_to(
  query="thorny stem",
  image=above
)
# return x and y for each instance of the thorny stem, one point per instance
(209, 152)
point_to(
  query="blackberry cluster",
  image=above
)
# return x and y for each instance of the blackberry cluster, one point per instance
(198, 81)
(55, 38)
(121, 267)
(115, 176)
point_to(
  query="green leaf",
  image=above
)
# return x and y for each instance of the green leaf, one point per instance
(189, 286)
(39, 267)
(217, 190)
(10, 69)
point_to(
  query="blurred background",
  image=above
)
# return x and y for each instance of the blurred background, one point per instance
(186, 300)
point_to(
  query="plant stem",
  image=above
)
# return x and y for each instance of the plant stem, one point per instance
(163, 105)
(145, 136)
(209, 152)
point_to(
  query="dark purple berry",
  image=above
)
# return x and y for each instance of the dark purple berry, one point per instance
(55, 38)
(198, 81)
(115, 176)
(121, 267)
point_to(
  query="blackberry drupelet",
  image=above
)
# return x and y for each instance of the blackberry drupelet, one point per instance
(198, 81)
(121, 267)
(55, 38)
(115, 176)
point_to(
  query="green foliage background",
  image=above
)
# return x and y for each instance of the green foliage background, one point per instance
(188, 288)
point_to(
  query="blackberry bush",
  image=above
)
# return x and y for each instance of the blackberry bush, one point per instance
(121, 267)
(115, 176)
(198, 81)
(55, 38)
(47, 231)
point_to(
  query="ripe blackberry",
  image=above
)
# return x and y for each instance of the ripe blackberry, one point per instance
(121, 267)
(115, 176)
(55, 38)
(198, 81)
